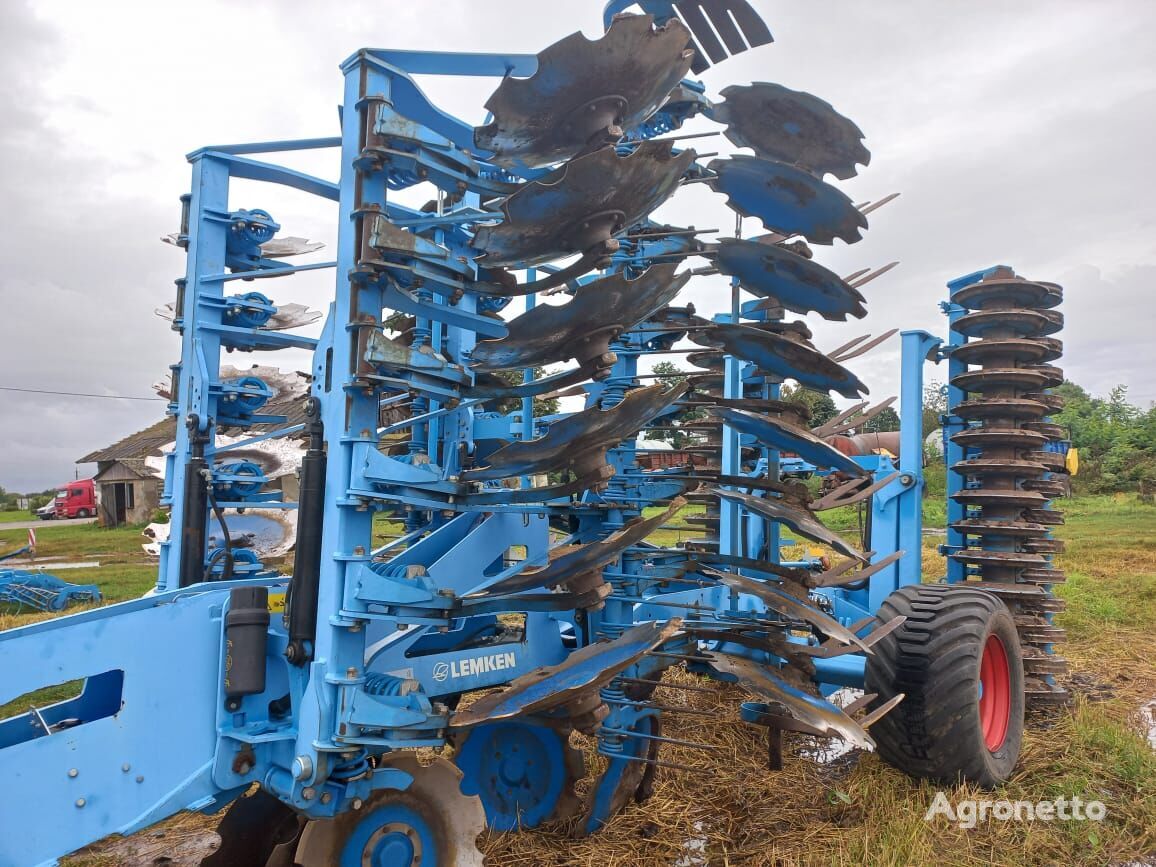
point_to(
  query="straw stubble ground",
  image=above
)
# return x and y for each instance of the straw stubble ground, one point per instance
(856, 810)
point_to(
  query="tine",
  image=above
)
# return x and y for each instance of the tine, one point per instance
(754, 29)
(830, 501)
(878, 272)
(881, 711)
(704, 36)
(879, 633)
(850, 277)
(860, 703)
(866, 347)
(875, 410)
(844, 566)
(823, 429)
(724, 26)
(874, 206)
(834, 353)
(859, 624)
(858, 420)
(838, 576)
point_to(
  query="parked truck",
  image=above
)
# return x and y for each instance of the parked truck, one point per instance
(73, 500)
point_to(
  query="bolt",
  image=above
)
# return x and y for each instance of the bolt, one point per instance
(351, 672)
(126, 767)
(357, 802)
(73, 772)
(326, 797)
(359, 551)
(80, 802)
(308, 792)
(140, 779)
(302, 768)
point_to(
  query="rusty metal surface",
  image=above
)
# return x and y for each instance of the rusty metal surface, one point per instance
(1009, 321)
(780, 434)
(787, 200)
(579, 441)
(581, 205)
(807, 709)
(783, 357)
(579, 676)
(788, 605)
(585, 92)
(568, 562)
(802, 522)
(584, 328)
(793, 127)
(796, 283)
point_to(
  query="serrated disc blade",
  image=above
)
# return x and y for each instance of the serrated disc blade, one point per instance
(432, 822)
(807, 709)
(779, 434)
(798, 284)
(579, 441)
(789, 605)
(583, 87)
(583, 328)
(787, 200)
(786, 358)
(568, 561)
(585, 202)
(584, 672)
(792, 127)
(802, 522)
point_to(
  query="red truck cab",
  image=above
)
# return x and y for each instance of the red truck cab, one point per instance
(76, 499)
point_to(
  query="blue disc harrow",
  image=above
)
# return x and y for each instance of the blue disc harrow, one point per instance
(525, 598)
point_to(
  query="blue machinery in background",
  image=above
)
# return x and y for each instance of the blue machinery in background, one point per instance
(524, 562)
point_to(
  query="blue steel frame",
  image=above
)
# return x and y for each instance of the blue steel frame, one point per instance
(388, 639)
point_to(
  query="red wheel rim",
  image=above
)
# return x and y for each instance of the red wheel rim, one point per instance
(994, 693)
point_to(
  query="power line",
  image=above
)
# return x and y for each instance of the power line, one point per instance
(74, 393)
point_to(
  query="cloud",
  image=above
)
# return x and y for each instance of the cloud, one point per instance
(1017, 133)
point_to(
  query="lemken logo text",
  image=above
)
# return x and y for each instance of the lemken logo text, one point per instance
(474, 666)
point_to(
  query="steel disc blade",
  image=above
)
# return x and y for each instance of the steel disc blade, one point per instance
(798, 284)
(807, 709)
(583, 673)
(624, 778)
(791, 606)
(524, 773)
(802, 522)
(783, 357)
(569, 561)
(252, 829)
(579, 441)
(792, 127)
(430, 824)
(776, 433)
(581, 205)
(787, 200)
(583, 88)
(583, 328)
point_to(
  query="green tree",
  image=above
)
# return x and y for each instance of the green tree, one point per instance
(887, 420)
(542, 405)
(820, 404)
(670, 373)
(934, 405)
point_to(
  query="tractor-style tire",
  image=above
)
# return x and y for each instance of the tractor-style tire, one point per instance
(957, 659)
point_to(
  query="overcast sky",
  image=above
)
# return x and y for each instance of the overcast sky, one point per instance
(1020, 133)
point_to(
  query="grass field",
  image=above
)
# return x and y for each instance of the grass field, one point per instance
(853, 810)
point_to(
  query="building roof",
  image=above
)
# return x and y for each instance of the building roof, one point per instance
(287, 401)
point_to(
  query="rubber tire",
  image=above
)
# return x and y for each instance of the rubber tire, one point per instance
(934, 658)
(82, 513)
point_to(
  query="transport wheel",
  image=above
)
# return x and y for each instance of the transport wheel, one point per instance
(957, 660)
(82, 513)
